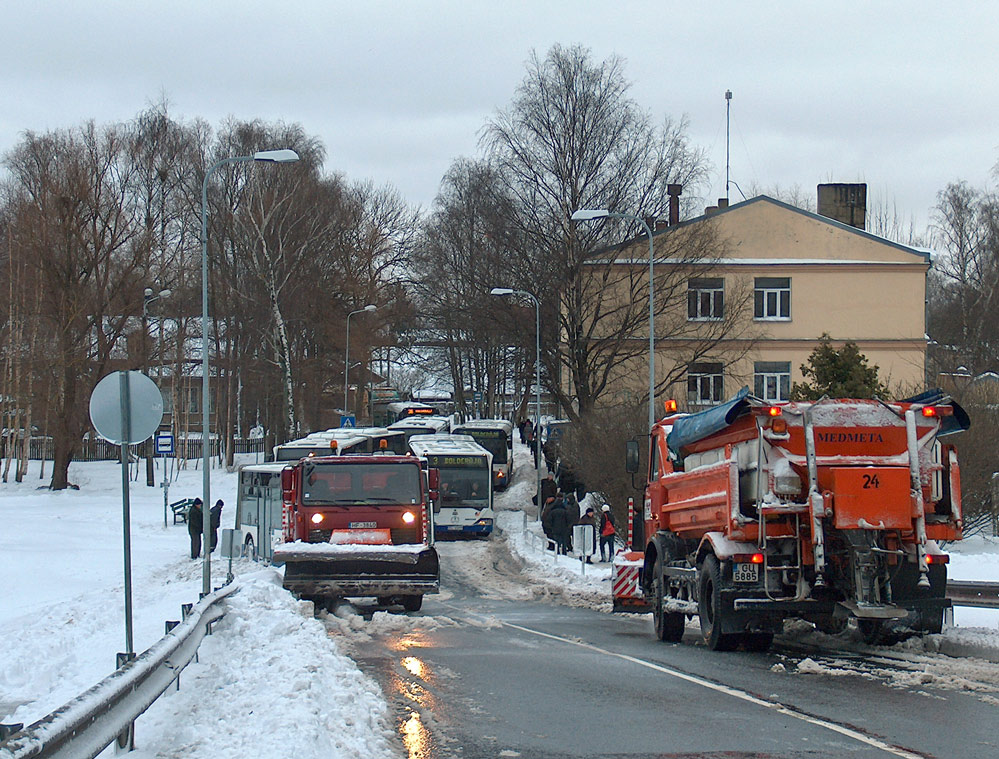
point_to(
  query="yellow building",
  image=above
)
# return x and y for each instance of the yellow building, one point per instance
(793, 275)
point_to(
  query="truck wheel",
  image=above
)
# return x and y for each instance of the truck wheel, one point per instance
(711, 613)
(669, 624)
(412, 603)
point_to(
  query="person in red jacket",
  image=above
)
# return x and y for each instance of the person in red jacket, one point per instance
(607, 532)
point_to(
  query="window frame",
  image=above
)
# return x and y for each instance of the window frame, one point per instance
(714, 289)
(779, 288)
(710, 376)
(780, 372)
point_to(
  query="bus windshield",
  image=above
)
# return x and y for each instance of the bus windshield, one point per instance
(361, 484)
(465, 486)
(493, 441)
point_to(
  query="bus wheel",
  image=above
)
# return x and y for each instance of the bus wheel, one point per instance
(249, 548)
(412, 603)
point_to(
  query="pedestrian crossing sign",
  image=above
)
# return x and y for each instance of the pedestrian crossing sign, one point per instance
(348, 421)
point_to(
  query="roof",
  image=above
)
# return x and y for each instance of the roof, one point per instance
(924, 255)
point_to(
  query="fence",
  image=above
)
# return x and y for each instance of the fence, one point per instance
(101, 450)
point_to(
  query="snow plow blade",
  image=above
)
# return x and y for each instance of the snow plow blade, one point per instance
(321, 569)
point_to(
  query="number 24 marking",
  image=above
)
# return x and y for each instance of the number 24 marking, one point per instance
(871, 481)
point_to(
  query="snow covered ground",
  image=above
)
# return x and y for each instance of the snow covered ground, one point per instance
(269, 664)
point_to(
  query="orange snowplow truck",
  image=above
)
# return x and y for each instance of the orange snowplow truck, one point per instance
(823, 511)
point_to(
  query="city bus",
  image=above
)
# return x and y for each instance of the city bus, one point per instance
(465, 501)
(405, 409)
(258, 509)
(496, 436)
(342, 441)
(422, 425)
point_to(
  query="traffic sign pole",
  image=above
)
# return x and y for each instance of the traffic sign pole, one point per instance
(125, 406)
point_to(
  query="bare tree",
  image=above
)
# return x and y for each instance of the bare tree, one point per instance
(572, 138)
(76, 228)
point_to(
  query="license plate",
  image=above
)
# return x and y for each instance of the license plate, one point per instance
(452, 527)
(363, 525)
(746, 573)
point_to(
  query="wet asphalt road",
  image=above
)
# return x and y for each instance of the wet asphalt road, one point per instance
(536, 679)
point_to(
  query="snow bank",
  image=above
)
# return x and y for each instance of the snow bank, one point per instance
(270, 682)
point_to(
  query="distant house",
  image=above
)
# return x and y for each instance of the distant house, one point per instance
(801, 274)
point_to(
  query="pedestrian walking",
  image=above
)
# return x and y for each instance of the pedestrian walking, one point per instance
(560, 525)
(548, 490)
(216, 517)
(607, 532)
(194, 527)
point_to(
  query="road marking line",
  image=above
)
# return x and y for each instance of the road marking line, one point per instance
(734, 692)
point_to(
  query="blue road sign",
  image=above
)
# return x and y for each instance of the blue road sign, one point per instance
(164, 444)
(348, 421)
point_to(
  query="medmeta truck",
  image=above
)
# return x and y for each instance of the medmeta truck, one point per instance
(359, 525)
(827, 510)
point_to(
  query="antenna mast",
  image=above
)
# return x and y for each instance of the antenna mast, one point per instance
(728, 110)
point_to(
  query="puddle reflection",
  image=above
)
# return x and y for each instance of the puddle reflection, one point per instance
(416, 737)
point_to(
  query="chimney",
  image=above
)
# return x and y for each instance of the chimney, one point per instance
(674, 191)
(661, 224)
(722, 203)
(846, 203)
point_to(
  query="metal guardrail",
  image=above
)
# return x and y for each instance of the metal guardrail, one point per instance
(93, 720)
(984, 595)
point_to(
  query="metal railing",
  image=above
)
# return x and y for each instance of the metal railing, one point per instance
(984, 595)
(93, 720)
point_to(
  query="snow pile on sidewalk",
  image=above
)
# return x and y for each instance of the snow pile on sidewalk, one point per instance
(270, 682)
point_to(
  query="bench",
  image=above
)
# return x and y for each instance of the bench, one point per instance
(180, 509)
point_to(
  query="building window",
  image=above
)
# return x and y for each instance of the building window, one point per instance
(772, 298)
(772, 380)
(704, 384)
(705, 299)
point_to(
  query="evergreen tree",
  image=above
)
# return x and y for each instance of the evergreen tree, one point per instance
(842, 373)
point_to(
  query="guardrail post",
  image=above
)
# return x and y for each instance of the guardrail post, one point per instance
(125, 741)
(949, 616)
(9, 729)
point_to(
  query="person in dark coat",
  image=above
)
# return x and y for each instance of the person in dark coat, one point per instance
(561, 528)
(216, 517)
(607, 532)
(589, 518)
(194, 527)
(548, 490)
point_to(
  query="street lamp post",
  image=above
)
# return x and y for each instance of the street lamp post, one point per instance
(346, 350)
(504, 291)
(265, 156)
(589, 215)
(148, 296)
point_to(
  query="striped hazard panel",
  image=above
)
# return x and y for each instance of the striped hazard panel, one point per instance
(625, 588)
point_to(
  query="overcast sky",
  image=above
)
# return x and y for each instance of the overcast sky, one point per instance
(903, 97)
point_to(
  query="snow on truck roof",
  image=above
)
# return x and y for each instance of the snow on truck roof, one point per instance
(691, 428)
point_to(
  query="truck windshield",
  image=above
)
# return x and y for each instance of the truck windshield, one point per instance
(365, 484)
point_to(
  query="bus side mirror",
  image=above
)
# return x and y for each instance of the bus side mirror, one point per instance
(288, 484)
(631, 456)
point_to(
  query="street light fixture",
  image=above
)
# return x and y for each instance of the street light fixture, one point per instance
(264, 156)
(346, 350)
(503, 292)
(590, 215)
